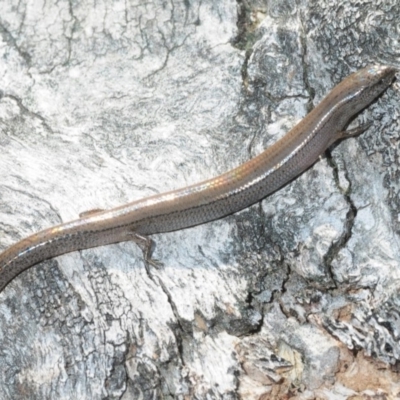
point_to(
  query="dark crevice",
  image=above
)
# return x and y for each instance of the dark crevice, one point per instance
(170, 50)
(25, 110)
(350, 218)
(276, 297)
(247, 24)
(246, 36)
(308, 87)
(178, 330)
(244, 71)
(8, 38)
(285, 280)
(71, 35)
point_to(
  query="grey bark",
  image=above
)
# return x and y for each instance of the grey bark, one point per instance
(102, 103)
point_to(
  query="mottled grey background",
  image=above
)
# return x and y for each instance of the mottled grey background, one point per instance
(106, 102)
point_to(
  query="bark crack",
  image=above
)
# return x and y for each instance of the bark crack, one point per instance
(349, 223)
(9, 38)
(25, 110)
(178, 330)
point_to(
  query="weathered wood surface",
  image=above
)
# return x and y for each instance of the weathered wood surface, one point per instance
(105, 102)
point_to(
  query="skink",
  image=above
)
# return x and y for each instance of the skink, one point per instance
(213, 198)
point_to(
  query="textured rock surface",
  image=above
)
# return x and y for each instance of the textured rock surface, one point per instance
(105, 102)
